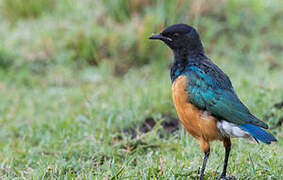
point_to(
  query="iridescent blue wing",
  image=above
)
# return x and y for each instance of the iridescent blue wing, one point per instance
(210, 89)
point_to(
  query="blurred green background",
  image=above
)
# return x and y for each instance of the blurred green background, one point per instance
(75, 73)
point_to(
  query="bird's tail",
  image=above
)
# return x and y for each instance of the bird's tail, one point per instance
(258, 133)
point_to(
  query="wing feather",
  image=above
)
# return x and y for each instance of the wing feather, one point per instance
(211, 89)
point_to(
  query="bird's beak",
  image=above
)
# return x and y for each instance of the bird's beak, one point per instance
(160, 37)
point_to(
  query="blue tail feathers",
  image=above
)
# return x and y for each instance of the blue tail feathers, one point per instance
(258, 133)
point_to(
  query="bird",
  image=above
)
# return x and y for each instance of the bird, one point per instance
(204, 98)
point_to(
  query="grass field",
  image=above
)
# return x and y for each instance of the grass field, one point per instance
(75, 74)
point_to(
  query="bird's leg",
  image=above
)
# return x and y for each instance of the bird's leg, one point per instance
(206, 155)
(206, 149)
(227, 152)
(227, 145)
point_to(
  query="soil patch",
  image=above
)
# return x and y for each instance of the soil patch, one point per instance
(168, 123)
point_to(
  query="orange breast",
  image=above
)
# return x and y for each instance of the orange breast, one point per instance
(198, 123)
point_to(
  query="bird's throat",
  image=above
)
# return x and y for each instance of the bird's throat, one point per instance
(177, 68)
(182, 54)
(182, 58)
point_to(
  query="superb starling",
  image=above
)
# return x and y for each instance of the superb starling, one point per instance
(204, 97)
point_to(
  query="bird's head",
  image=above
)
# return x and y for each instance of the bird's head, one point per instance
(180, 38)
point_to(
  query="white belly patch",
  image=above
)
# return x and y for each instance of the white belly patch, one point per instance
(231, 130)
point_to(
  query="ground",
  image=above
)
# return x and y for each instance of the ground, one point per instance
(73, 127)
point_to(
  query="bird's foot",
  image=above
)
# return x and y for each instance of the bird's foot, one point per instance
(225, 178)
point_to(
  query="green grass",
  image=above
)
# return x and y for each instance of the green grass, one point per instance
(68, 124)
(17, 9)
(72, 78)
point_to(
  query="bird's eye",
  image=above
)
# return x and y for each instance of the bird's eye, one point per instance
(176, 34)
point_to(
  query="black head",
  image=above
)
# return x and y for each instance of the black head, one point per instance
(180, 38)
